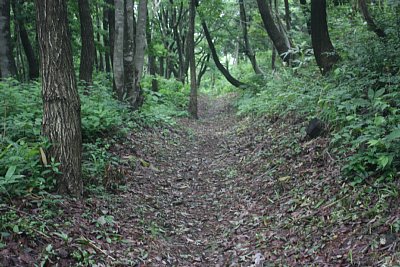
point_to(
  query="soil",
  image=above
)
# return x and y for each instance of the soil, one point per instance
(218, 191)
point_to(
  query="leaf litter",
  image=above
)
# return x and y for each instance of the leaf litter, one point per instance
(220, 191)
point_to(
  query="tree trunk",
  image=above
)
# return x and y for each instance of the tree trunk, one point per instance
(287, 15)
(307, 14)
(217, 62)
(136, 96)
(370, 21)
(98, 37)
(248, 50)
(324, 52)
(151, 57)
(33, 63)
(129, 47)
(278, 38)
(7, 63)
(88, 50)
(61, 104)
(118, 55)
(107, 53)
(111, 28)
(192, 61)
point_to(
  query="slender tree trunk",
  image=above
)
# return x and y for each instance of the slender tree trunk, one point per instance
(88, 50)
(217, 62)
(136, 95)
(278, 38)
(307, 14)
(151, 57)
(106, 40)
(61, 104)
(324, 52)
(287, 15)
(192, 61)
(33, 63)
(370, 21)
(118, 54)
(248, 50)
(203, 68)
(129, 47)
(98, 37)
(7, 63)
(111, 28)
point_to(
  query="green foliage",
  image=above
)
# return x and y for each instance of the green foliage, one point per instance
(359, 101)
(168, 103)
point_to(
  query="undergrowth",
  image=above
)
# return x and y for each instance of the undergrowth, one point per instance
(104, 121)
(359, 102)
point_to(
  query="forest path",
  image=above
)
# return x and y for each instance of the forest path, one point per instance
(193, 204)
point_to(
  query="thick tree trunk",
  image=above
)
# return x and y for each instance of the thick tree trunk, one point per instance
(7, 63)
(370, 21)
(217, 62)
(118, 54)
(33, 63)
(136, 95)
(61, 105)
(248, 50)
(324, 52)
(88, 50)
(278, 38)
(192, 61)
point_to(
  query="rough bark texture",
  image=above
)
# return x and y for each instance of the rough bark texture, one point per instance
(217, 62)
(135, 96)
(277, 37)
(247, 47)
(88, 50)
(324, 52)
(33, 63)
(61, 105)
(192, 61)
(7, 63)
(370, 21)
(118, 54)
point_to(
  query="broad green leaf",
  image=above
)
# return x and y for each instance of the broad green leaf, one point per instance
(10, 172)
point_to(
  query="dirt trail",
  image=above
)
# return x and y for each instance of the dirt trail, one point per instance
(192, 199)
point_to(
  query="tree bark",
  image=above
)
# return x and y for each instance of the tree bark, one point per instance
(111, 28)
(277, 37)
(61, 104)
(88, 50)
(33, 63)
(7, 63)
(370, 21)
(324, 52)
(129, 47)
(151, 57)
(247, 47)
(107, 53)
(118, 54)
(217, 62)
(287, 15)
(136, 95)
(192, 61)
